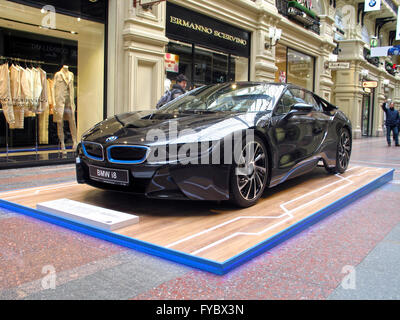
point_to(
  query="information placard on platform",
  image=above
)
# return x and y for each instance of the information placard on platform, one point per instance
(88, 214)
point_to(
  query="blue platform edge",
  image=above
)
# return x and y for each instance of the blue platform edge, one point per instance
(191, 260)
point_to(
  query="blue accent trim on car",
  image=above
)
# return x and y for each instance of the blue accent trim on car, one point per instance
(92, 157)
(195, 261)
(111, 160)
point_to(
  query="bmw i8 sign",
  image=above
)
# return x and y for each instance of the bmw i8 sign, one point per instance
(372, 5)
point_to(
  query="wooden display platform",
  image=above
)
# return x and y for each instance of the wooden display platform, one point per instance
(207, 235)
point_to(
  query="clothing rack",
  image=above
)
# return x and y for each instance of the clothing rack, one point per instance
(22, 60)
(36, 118)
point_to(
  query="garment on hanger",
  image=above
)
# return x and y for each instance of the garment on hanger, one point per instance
(17, 97)
(26, 86)
(15, 85)
(50, 95)
(43, 98)
(36, 91)
(5, 94)
(44, 107)
(20, 108)
(64, 94)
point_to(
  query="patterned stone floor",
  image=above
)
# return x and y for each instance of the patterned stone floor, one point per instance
(353, 254)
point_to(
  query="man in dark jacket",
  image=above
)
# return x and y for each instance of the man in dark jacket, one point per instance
(179, 87)
(392, 118)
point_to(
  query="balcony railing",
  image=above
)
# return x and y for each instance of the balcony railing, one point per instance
(299, 14)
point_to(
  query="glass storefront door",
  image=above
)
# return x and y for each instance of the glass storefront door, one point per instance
(367, 115)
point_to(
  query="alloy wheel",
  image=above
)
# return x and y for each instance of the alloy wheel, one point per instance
(251, 173)
(344, 149)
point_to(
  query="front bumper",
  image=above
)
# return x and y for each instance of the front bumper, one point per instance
(171, 181)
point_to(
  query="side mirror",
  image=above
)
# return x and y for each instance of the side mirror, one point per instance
(302, 107)
(298, 108)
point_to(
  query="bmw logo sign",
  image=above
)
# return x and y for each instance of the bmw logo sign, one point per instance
(111, 139)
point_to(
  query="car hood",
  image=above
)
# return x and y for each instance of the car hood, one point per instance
(147, 128)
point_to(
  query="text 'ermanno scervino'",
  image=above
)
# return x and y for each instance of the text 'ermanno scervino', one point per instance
(208, 30)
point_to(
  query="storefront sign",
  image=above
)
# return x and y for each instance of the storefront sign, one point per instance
(171, 62)
(380, 51)
(339, 65)
(370, 84)
(372, 5)
(189, 26)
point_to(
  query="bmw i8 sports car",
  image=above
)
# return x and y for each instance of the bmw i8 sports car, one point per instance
(219, 142)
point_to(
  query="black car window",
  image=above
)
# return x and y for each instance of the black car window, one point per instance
(285, 103)
(309, 98)
(229, 97)
(299, 95)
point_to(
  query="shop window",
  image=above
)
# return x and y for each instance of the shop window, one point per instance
(281, 63)
(241, 67)
(300, 69)
(204, 66)
(294, 67)
(210, 67)
(183, 53)
(55, 63)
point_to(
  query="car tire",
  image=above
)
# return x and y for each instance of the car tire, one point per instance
(343, 152)
(248, 182)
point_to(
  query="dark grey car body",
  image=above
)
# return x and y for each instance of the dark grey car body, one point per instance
(296, 141)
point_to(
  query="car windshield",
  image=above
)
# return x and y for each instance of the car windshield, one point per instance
(228, 97)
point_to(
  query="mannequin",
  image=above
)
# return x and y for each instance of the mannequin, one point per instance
(64, 104)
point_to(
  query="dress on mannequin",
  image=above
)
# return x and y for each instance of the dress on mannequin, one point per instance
(64, 108)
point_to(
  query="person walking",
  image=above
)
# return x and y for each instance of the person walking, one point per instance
(392, 119)
(179, 87)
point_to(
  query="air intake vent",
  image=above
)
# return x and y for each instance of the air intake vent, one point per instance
(127, 154)
(93, 150)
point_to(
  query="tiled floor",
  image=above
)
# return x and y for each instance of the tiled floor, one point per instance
(312, 265)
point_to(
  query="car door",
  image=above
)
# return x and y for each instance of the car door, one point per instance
(321, 122)
(294, 135)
